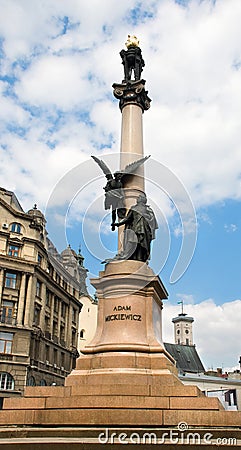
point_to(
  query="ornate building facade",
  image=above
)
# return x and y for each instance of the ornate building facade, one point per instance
(40, 295)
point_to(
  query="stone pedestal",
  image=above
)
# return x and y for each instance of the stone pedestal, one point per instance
(130, 309)
(128, 340)
(124, 382)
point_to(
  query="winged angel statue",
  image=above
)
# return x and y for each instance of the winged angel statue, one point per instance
(114, 188)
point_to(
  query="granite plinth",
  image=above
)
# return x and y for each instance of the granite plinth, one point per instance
(125, 378)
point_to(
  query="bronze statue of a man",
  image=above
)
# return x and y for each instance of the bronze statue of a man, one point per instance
(114, 188)
(140, 225)
(132, 59)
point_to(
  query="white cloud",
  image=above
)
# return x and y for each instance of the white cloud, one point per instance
(216, 330)
(59, 81)
(231, 228)
(192, 59)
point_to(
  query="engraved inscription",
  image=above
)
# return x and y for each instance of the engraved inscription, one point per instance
(122, 308)
(122, 316)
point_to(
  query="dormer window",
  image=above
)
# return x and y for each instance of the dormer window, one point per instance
(16, 227)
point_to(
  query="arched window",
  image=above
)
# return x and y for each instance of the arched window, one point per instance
(82, 334)
(43, 382)
(16, 227)
(31, 381)
(6, 381)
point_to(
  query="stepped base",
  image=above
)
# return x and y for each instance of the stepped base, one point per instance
(124, 382)
(99, 408)
(110, 394)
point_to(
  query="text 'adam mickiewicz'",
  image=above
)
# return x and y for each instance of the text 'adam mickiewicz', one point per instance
(123, 317)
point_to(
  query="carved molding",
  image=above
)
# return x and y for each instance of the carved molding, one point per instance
(132, 93)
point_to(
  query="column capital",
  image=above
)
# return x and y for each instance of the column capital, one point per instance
(132, 93)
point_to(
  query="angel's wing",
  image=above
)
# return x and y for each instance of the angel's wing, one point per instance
(102, 165)
(133, 166)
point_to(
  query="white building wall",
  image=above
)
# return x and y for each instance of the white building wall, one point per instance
(87, 321)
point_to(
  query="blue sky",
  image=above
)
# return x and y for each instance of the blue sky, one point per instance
(58, 63)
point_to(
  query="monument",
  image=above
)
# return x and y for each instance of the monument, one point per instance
(125, 383)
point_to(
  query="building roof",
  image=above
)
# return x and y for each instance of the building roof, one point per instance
(186, 357)
(182, 317)
(10, 198)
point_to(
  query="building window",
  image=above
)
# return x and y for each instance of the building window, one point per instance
(50, 269)
(6, 381)
(47, 353)
(55, 357)
(63, 309)
(187, 341)
(37, 311)
(16, 227)
(47, 323)
(7, 312)
(178, 331)
(186, 331)
(55, 331)
(73, 338)
(48, 297)
(6, 342)
(62, 360)
(82, 334)
(56, 304)
(178, 341)
(31, 381)
(40, 259)
(38, 288)
(74, 315)
(62, 334)
(11, 280)
(14, 250)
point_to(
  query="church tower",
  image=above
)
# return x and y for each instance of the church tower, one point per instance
(183, 328)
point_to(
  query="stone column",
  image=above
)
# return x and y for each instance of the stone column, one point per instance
(133, 102)
(21, 300)
(1, 278)
(51, 314)
(59, 319)
(42, 313)
(67, 326)
(29, 303)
